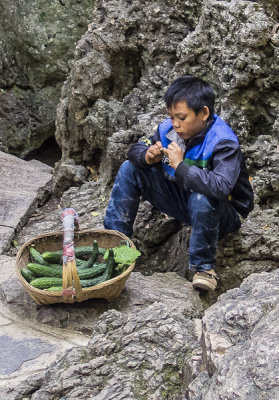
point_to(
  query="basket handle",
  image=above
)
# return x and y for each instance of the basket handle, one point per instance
(70, 279)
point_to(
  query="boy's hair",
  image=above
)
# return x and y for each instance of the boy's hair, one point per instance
(196, 92)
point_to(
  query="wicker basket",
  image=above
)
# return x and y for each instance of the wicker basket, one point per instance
(54, 241)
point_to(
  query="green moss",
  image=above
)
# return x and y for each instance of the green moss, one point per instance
(66, 364)
(18, 92)
(84, 356)
(42, 17)
(172, 382)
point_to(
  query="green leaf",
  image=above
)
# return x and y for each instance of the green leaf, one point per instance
(124, 255)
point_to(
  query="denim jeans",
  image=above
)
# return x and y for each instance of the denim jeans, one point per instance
(210, 219)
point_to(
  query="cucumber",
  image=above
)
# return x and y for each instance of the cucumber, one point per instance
(102, 250)
(55, 289)
(27, 274)
(81, 263)
(82, 252)
(94, 254)
(45, 270)
(105, 276)
(53, 256)
(85, 283)
(57, 271)
(109, 266)
(91, 272)
(36, 257)
(44, 283)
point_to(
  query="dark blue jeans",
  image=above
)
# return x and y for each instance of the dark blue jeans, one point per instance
(210, 219)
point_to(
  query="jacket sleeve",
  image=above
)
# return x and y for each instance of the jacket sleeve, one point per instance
(137, 151)
(219, 181)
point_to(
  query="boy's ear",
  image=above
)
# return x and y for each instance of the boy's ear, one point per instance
(205, 113)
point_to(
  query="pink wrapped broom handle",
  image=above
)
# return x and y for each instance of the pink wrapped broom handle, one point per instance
(70, 220)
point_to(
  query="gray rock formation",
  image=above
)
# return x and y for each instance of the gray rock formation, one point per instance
(24, 186)
(240, 343)
(120, 67)
(158, 351)
(36, 47)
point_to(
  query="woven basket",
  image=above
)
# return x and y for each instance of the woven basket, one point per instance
(53, 241)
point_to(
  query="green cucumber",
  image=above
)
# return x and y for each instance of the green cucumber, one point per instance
(36, 257)
(45, 270)
(91, 272)
(109, 266)
(85, 283)
(105, 276)
(57, 271)
(27, 274)
(81, 263)
(53, 256)
(82, 252)
(55, 289)
(44, 283)
(94, 254)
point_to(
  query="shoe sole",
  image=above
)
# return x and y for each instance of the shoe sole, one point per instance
(202, 284)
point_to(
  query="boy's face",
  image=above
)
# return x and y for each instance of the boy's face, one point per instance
(186, 122)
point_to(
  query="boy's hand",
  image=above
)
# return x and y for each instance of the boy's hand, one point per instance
(174, 154)
(154, 153)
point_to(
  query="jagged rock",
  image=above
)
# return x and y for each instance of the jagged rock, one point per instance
(160, 352)
(140, 355)
(118, 73)
(37, 45)
(68, 174)
(240, 343)
(25, 185)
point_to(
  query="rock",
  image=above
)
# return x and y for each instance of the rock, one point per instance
(37, 45)
(7, 267)
(128, 357)
(138, 293)
(68, 174)
(153, 347)
(241, 329)
(161, 240)
(144, 335)
(25, 185)
(118, 72)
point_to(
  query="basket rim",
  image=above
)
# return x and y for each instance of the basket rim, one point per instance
(60, 233)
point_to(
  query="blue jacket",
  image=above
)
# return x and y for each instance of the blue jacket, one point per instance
(213, 163)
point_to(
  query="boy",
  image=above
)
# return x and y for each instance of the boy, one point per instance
(192, 170)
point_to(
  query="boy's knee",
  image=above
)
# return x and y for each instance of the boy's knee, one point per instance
(198, 202)
(126, 168)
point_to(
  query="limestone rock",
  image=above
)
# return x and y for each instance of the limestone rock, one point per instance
(143, 354)
(25, 185)
(37, 45)
(240, 343)
(68, 174)
(118, 73)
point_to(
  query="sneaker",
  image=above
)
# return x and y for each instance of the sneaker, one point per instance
(205, 280)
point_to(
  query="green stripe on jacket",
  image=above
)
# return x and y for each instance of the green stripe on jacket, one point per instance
(197, 163)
